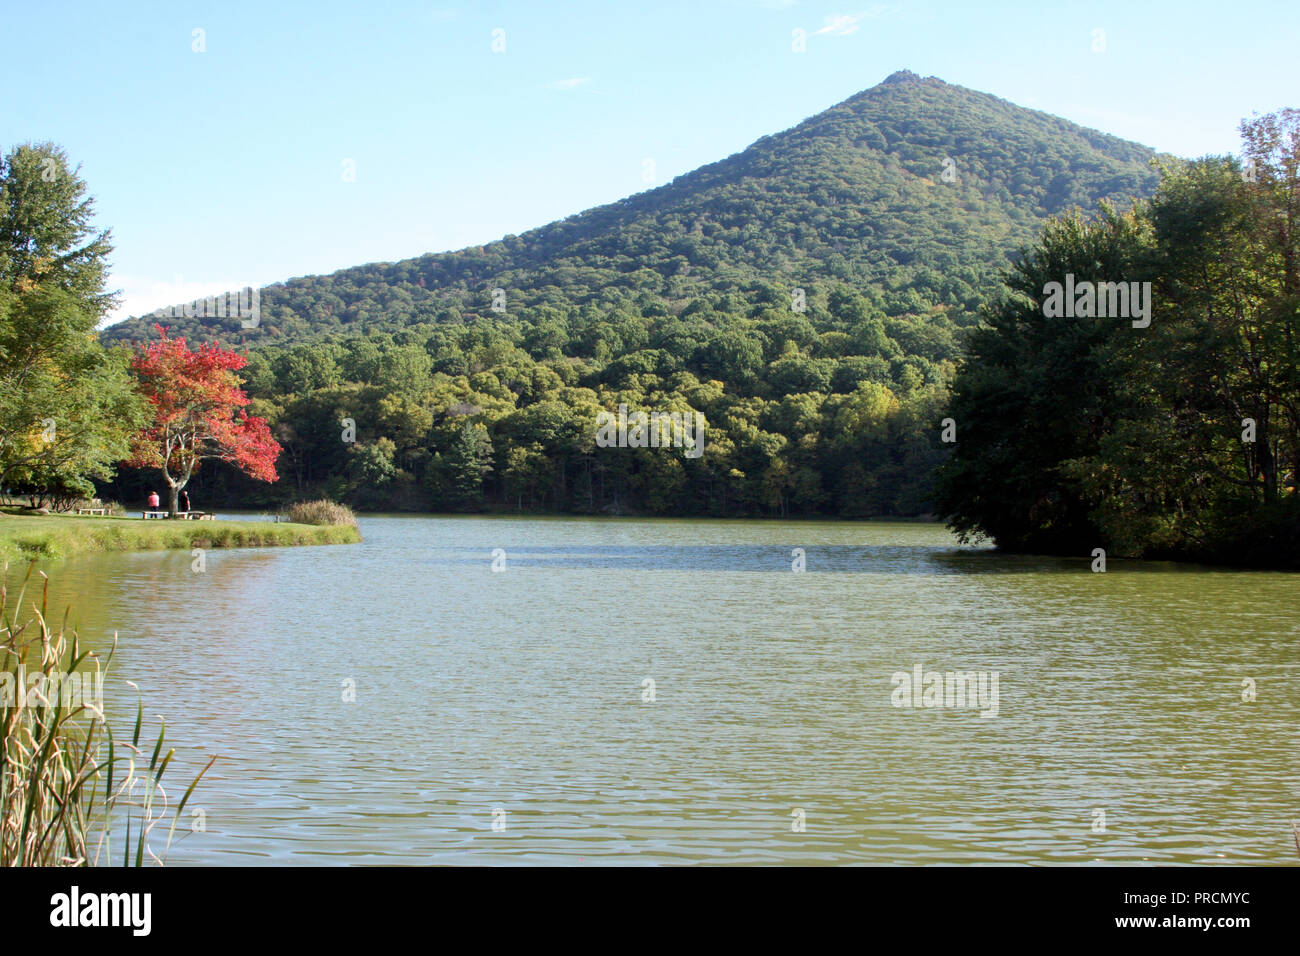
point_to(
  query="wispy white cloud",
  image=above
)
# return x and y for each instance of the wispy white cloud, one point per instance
(846, 24)
(571, 83)
(840, 25)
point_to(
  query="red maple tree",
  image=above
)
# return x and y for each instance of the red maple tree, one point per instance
(198, 414)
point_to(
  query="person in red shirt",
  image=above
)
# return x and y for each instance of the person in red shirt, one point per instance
(153, 501)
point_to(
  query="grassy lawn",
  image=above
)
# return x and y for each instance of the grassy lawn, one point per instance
(27, 537)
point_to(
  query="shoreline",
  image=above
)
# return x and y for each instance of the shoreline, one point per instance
(54, 537)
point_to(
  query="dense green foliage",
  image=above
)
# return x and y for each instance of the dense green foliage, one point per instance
(1181, 439)
(683, 298)
(66, 402)
(793, 423)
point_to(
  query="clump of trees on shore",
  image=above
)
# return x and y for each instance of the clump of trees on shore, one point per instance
(1180, 439)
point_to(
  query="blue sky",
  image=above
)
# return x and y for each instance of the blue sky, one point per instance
(227, 167)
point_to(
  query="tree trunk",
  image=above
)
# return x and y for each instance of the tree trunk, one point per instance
(1267, 467)
(173, 494)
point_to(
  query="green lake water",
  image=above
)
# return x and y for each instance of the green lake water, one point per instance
(772, 736)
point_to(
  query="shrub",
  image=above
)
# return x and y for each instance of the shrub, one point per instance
(321, 511)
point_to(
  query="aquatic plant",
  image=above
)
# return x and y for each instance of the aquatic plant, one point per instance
(68, 785)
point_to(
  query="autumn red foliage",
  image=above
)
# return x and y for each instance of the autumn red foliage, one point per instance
(197, 414)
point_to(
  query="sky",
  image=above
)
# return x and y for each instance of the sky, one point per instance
(230, 144)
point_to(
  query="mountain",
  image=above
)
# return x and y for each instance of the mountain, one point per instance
(915, 188)
(808, 296)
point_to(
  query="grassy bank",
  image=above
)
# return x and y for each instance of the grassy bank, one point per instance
(24, 537)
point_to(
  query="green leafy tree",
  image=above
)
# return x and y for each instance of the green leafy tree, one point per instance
(468, 462)
(1204, 457)
(1036, 392)
(67, 408)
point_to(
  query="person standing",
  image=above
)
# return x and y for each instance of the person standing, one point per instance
(153, 501)
(185, 502)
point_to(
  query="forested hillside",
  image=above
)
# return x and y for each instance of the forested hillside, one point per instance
(807, 295)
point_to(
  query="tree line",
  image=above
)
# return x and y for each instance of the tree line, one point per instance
(826, 411)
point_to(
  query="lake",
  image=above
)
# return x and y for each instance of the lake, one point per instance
(661, 691)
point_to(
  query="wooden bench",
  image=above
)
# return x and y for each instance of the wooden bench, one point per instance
(153, 514)
(92, 511)
(183, 515)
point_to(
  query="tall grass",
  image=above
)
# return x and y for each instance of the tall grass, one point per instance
(67, 783)
(321, 511)
(47, 537)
